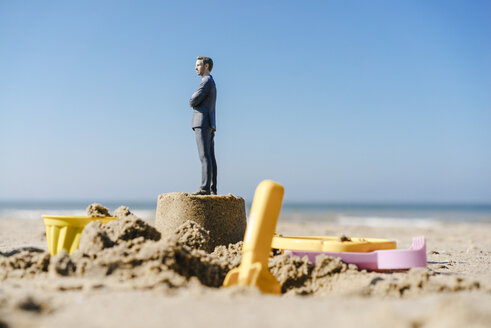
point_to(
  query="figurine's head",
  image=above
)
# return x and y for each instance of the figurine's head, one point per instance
(204, 65)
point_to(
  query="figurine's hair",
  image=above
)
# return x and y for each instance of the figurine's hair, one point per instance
(206, 60)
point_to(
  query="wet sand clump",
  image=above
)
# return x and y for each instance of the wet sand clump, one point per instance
(343, 238)
(97, 210)
(416, 282)
(192, 235)
(122, 211)
(23, 262)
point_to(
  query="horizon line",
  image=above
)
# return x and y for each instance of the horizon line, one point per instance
(287, 203)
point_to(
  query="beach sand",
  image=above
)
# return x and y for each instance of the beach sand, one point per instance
(454, 291)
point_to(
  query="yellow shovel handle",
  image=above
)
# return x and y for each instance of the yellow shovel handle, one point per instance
(263, 217)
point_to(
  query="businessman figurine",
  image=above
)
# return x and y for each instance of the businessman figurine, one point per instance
(203, 103)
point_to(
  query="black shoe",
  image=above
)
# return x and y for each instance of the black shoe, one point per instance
(213, 192)
(201, 192)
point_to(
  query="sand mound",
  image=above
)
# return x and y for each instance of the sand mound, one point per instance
(23, 262)
(97, 210)
(122, 211)
(300, 276)
(416, 282)
(192, 235)
(131, 251)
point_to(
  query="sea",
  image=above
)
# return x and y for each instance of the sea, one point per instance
(371, 214)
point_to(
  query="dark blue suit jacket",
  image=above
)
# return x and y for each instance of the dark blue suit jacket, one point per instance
(203, 102)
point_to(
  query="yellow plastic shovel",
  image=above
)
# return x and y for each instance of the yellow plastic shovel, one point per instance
(253, 269)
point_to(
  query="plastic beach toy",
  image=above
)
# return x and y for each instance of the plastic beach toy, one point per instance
(387, 259)
(253, 269)
(63, 232)
(331, 244)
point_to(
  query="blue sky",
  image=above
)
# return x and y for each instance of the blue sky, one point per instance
(340, 101)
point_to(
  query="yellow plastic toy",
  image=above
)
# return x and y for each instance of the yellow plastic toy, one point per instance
(331, 244)
(253, 269)
(63, 232)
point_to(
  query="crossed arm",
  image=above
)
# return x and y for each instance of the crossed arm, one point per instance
(200, 94)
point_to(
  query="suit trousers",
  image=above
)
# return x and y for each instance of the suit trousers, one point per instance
(206, 151)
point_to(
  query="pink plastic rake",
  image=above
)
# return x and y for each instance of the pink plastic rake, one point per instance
(389, 259)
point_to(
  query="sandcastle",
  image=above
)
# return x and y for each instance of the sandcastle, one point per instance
(223, 216)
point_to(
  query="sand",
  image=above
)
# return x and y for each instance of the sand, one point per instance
(125, 271)
(97, 210)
